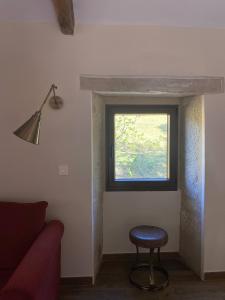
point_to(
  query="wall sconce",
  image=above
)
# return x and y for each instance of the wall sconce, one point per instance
(30, 130)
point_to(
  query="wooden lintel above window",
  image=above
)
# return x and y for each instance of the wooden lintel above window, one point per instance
(65, 14)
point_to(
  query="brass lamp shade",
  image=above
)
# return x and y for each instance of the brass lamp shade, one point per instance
(30, 130)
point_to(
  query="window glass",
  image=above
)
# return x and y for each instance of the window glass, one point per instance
(141, 146)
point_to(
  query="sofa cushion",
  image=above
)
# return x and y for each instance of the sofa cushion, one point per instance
(20, 223)
(4, 277)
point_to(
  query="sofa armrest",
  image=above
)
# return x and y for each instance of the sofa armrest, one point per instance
(39, 269)
(14, 295)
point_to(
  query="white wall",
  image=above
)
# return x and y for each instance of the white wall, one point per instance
(33, 55)
(124, 210)
(215, 184)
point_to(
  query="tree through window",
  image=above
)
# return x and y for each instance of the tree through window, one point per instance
(141, 143)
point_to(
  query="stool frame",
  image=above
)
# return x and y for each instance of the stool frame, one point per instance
(152, 286)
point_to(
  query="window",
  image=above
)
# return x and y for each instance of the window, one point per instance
(141, 147)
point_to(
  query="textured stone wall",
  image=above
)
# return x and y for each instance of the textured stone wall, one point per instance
(192, 182)
(97, 180)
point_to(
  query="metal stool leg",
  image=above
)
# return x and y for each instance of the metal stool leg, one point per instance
(137, 254)
(158, 254)
(153, 285)
(151, 267)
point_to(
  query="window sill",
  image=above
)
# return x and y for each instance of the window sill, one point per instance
(142, 186)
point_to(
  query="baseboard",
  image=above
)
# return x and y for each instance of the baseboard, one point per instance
(76, 281)
(131, 256)
(214, 275)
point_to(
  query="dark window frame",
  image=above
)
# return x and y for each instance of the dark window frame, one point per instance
(154, 185)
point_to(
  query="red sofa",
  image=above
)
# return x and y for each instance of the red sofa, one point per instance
(29, 252)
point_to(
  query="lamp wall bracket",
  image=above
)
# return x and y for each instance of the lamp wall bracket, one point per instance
(56, 102)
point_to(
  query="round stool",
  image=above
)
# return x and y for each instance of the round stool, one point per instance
(152, 238)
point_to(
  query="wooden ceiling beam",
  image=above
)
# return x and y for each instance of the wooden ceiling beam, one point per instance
(65, 14)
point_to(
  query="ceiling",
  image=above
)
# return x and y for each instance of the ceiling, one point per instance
(190, 13)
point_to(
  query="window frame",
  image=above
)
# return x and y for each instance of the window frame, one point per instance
(154, 185)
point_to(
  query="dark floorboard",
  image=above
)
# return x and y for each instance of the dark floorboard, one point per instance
(113, 284)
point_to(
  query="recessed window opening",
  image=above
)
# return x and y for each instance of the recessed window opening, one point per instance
(141, 147)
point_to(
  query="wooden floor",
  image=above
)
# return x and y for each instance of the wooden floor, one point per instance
(113, 284)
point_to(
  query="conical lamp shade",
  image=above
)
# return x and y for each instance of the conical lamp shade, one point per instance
(30, 130)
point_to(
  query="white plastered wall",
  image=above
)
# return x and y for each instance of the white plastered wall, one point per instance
(33, 55)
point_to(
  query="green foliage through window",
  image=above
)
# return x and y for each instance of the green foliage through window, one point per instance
(141, 146)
